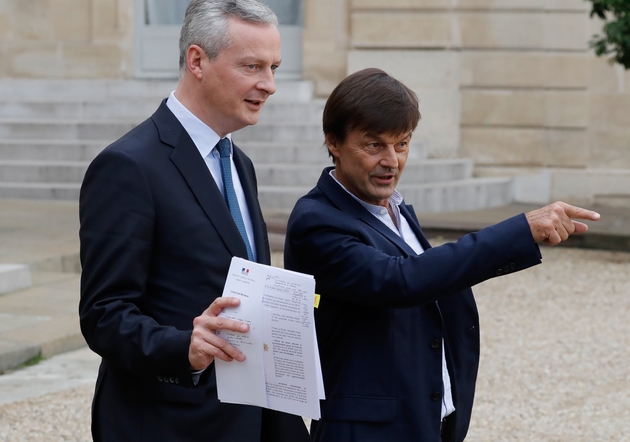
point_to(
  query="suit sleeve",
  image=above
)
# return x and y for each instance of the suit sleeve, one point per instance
(350, 260)
(118, 219)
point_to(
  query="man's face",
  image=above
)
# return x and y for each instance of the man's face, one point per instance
(239, 80)
(370, 165)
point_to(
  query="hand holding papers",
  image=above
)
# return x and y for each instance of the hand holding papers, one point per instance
(281, 370)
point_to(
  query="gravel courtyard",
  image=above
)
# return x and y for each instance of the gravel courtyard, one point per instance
(555, 359)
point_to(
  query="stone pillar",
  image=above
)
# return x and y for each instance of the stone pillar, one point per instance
(416, 42)
(325, 43)
(66, 38)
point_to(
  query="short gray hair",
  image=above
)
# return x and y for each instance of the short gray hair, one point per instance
(206, 24)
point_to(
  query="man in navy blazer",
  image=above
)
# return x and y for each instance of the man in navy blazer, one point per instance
(397, 324)
(157, 239)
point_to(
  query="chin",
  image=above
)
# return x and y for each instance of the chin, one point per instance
(250, 120)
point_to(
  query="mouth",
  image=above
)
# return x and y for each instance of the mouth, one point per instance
(385, 179)
(255, 104)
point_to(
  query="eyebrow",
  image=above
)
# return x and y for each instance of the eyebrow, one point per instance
(256, 60)
(379, 137)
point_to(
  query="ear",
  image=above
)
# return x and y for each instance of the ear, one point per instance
(333, 147)
(194, 58)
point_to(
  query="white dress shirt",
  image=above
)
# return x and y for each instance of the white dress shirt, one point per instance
(406, 233)
(206, 139)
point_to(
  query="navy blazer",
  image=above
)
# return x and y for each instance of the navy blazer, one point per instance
(156, 243)
(384, 311)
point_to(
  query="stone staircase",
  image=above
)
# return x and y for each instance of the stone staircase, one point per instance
(50, 131)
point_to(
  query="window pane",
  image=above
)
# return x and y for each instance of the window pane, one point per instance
(289, 12)
(165, 12)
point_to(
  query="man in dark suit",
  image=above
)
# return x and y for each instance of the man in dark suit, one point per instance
(157, 237)
(397, 323)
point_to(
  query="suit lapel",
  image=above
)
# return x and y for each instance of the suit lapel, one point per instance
(188, 161)
(248, 182)
(345, 202)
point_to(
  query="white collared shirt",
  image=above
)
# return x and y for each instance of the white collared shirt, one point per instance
(406, 233)
(206, 139)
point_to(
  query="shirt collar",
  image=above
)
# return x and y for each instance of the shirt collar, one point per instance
(204, 137)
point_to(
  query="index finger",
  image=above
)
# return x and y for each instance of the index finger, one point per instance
(580, 213)
(220, 303)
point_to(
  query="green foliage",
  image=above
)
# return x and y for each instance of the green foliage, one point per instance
(616, 38)
(33, 361)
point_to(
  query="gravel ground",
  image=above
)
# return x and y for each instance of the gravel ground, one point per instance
(60, 416)
(555, 360)
(555, 357)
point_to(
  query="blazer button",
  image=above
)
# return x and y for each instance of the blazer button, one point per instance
(436, 396)
(513, 266)
(506, 269)
(177, 380)
(436, 343)
(499, 272)
(171, 380)
(159, 378)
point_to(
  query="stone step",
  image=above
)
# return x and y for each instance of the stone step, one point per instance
(436, 170)
(79, 110)
(42, 171)
(53, 150)
(14, 277)
(40, 191)
(43, 328)
(416, 171)
(298, 111)
(112, 129)
(277, 173)
(140, 108)
(286, 131)
(85, 150)
(108, 130)
(261, 152)
(301, 151)
(72, 90)
(466, 194)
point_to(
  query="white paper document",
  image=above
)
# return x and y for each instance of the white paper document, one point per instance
(282, 369)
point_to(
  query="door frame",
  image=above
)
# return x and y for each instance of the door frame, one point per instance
(156, 49)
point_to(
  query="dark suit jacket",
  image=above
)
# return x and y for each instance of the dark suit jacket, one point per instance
(156, 243)
(378, 323)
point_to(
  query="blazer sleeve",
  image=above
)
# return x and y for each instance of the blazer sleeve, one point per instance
(117, 222)
(353, 262)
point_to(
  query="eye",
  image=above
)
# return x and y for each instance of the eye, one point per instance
(274, 67)
(402, 146)
(373, 147)
(251, 66)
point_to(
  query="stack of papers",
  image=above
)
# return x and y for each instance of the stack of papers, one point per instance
(282, 370)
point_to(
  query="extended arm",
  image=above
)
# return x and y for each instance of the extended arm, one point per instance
(351, 261)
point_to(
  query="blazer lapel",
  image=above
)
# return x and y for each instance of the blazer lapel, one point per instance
(345, 202)
(247, 177)
(186, 158)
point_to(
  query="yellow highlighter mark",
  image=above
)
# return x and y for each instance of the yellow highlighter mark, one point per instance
(317, 300)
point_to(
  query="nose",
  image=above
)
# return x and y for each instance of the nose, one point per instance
(389, 158)
(267, 82)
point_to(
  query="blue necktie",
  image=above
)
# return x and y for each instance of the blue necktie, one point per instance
(229, 194)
